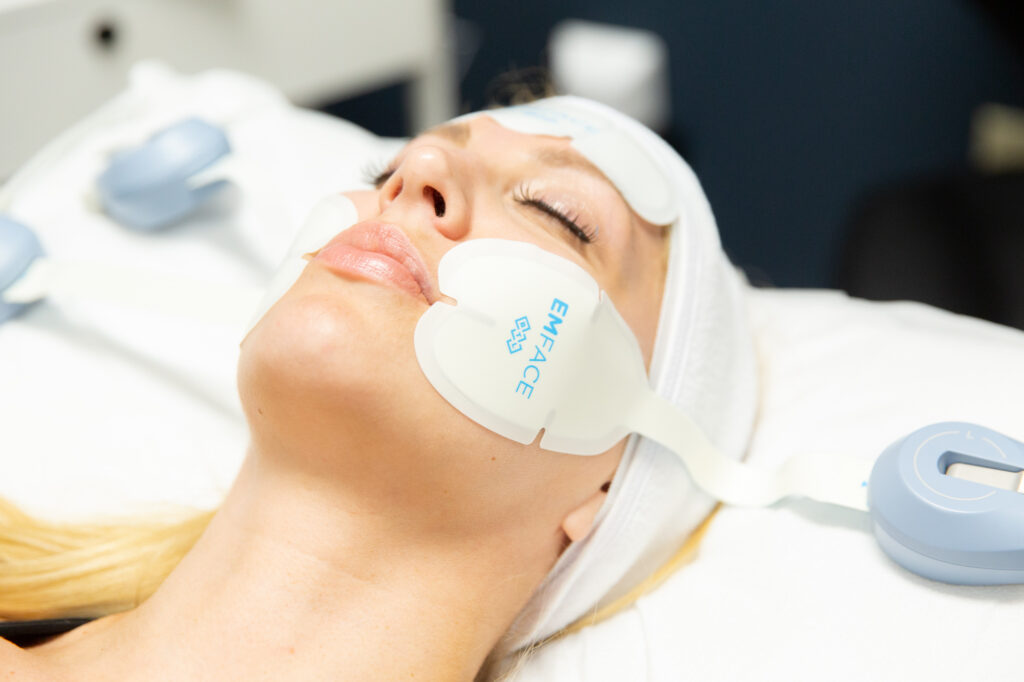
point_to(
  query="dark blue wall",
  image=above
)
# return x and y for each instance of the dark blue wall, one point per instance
(788, 110)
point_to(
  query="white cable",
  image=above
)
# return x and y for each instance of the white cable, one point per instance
(163, 292)
(835, 479)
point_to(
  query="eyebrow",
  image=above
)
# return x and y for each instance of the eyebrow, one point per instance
(457, 133)
(556, 157)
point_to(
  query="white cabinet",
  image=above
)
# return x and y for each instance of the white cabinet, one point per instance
(60, 59)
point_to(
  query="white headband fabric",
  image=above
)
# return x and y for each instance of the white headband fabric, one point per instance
(703, 363)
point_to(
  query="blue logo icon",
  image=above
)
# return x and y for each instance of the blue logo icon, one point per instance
(515, 343)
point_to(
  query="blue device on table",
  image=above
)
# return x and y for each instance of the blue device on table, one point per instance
(19, 247)
(152, 185)
(947, 503)
(143, 188)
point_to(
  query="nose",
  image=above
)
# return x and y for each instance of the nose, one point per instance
(426, 184)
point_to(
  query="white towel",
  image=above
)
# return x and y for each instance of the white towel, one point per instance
(801, 592)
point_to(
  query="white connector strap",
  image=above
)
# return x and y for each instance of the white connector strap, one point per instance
(163, 292)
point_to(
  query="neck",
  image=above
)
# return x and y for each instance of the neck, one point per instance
(290, 583)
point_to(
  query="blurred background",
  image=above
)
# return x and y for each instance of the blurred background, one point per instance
(876, 147)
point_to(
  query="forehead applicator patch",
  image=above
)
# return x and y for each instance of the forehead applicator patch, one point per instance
(533, 343)
(627, 165)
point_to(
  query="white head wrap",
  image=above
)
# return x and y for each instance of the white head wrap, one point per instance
(703, 363)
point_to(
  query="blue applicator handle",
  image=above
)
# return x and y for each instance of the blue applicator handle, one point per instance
(19, 248)
(154, 184)
(947, 503)
(26, 276)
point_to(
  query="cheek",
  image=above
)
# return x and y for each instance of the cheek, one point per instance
(331, 387)
(326, 361)
(641, 286)
(367, 202)
(646, 322)
(640, 305)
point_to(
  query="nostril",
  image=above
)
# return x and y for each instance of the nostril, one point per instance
(438, 201)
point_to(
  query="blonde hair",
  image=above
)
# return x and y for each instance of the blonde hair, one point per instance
(684, 555)
(503, 666)
(50, 569)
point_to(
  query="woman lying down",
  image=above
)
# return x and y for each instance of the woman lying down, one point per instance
(375, 531)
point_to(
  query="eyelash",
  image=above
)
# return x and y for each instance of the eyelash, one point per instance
(378, 172)
(525, 196)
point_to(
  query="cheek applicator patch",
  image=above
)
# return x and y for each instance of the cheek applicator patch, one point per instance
(532, 343)
(518, 353)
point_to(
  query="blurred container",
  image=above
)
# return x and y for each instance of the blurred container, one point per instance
(997, 139)
(625, 68)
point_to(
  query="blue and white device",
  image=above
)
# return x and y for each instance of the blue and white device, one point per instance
(145, 188)
(28, 275)
(19, 248)
(947, 503)
(165, 179)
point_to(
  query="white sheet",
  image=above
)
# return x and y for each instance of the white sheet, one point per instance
(801, 591)
(105, 411)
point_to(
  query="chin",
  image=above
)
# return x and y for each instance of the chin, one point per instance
(329, 365)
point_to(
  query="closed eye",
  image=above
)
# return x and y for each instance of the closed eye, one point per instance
(377, 173)
(525, 196)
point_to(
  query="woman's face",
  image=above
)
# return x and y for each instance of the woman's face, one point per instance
(329, 377)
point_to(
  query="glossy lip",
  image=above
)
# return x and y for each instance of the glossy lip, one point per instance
(380, 252)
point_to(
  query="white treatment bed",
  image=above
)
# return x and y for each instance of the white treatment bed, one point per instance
(106, 411)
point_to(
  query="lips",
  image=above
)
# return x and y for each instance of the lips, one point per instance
(379, 252)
